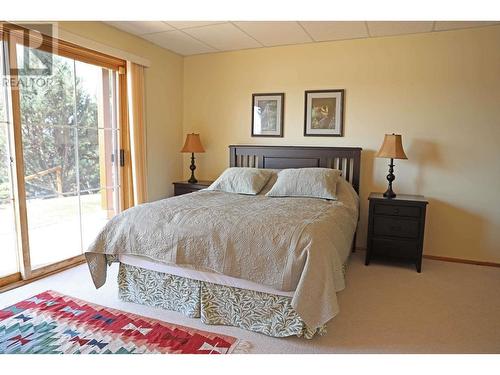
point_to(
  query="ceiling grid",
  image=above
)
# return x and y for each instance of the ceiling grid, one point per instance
(197, 37)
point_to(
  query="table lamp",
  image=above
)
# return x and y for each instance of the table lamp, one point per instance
(392, 148)
(192, 145)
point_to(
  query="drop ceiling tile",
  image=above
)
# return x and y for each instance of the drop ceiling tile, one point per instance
(224, 37)
(211, 36)
(275, 33)
(179, 42)
(141, 27)
(385, 28)
(451, 25)
(322, 31)
(188, 24)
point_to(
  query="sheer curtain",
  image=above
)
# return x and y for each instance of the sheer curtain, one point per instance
(137, 128)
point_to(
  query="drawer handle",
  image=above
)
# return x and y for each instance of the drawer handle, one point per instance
(396, 211)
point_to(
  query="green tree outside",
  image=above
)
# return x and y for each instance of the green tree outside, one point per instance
(52, 120)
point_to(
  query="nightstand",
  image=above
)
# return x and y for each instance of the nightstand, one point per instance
(396, 228)
(184, 187)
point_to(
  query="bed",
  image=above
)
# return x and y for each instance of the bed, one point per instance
(267, 265)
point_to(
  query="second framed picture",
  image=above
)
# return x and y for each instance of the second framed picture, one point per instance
(267, 115)
(324, 113)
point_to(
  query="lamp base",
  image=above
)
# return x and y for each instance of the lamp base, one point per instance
(389, 194)
(390, 177)
(193, 179)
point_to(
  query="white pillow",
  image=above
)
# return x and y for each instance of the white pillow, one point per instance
(242, 180)
(306, 182)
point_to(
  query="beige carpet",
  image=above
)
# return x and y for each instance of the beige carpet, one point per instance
(448, 308)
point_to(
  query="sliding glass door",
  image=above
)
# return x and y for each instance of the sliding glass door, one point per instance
(60, 137)
(69, 138)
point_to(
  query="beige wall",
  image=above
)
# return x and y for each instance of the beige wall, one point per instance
(163, 102)
(440, 90)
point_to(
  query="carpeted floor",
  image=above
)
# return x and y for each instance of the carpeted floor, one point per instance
(448, 308)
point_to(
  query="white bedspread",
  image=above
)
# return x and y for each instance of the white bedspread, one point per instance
(285, 243)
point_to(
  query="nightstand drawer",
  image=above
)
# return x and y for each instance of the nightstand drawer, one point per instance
(185, 187)
(395, 227)
(183, 190)
(390, 209)
(394, 248)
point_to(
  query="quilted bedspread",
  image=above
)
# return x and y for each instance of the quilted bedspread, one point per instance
(289, 244)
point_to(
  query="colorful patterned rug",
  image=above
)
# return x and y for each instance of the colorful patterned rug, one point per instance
(52, 323)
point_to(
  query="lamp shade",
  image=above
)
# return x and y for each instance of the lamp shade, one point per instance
(392, 148)
(193, 144)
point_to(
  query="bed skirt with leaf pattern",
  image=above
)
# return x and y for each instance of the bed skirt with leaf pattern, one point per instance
(265, 313)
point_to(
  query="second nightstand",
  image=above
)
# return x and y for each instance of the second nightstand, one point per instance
(184, 187)
(396, 227)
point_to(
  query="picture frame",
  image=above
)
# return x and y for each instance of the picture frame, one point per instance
(268, 114)
(324, 113)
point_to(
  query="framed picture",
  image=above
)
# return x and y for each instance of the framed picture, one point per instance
(324, 113)
(267, 115)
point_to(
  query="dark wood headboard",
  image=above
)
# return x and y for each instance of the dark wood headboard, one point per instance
(347, 159)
